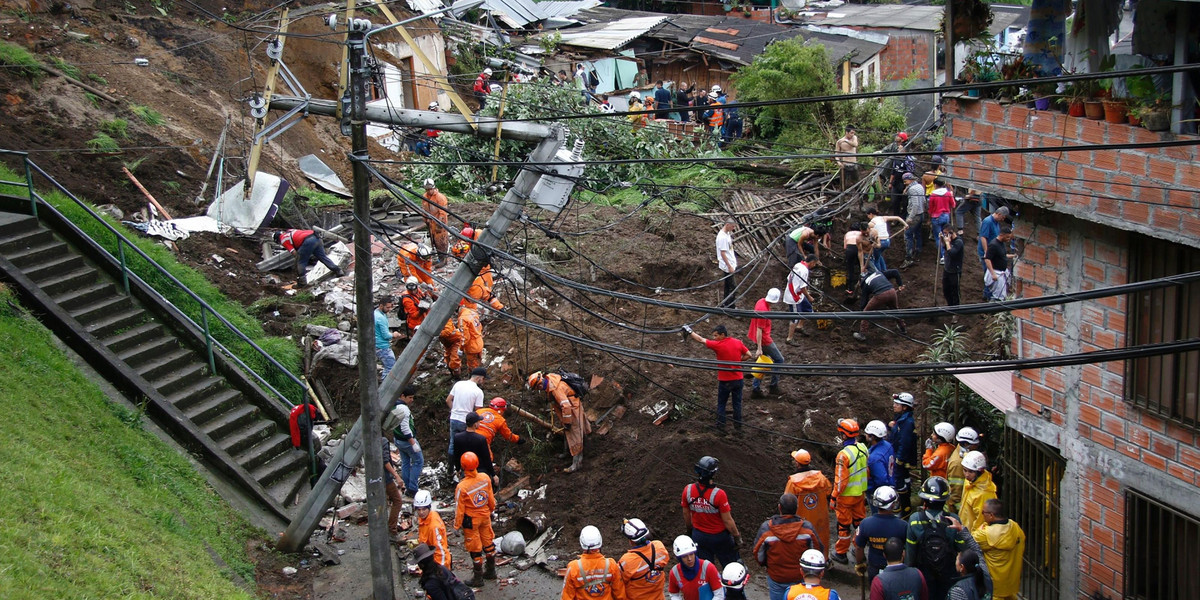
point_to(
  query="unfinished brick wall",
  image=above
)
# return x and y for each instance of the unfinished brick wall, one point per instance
(1082, 183)
(905, 56)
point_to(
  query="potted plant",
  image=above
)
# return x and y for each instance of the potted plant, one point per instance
(1042, 94)
(978, 68)
(1150, 106)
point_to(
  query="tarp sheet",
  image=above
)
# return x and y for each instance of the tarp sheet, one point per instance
(234, 210)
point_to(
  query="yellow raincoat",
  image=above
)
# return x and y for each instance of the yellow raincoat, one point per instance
(974, 495)
(1003, 546)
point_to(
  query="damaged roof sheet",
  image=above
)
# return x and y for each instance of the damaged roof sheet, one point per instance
(884, 16)
(740, 40)
(425, 6)
(611, 35)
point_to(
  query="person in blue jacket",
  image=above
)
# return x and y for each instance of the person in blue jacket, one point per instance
(881, 460)
(902, 433)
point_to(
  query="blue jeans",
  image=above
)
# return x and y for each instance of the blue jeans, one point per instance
(772, 351)
(939, 223)
(727, 390)
(912, 238)
(776, 590)
(963, 209)
(455, 427)
(877, 255)
(388, 358)
(312, 247)
(716, 547)
(411, 463)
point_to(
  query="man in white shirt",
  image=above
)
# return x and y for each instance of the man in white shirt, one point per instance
(727, 260)
(797, 295)
(464, 398)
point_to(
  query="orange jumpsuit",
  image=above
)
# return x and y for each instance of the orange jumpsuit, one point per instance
(431, 531)
(472, 330)
(411, 264)
(849, 488)
(473, 508)
(937, 460)
(481, 289)
(413, 313)
(569, 410)
(593, 576)
(435, 204)
(452, 341)
(492, 422)
(644, 571)
(812, 489)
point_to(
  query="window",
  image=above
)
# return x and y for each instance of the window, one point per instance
(1168, 385)
(1161, 546)
(1032, 475)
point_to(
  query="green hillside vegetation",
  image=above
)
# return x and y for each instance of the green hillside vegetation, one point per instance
(95, 506)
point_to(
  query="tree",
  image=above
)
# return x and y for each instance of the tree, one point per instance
(788, 69)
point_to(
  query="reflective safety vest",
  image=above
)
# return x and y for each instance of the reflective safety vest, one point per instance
(802, 591)
(717, 118)
(856, 463)
(593, 576)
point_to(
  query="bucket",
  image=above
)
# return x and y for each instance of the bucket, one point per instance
(760, 372)
(816, 277)
(531, 525)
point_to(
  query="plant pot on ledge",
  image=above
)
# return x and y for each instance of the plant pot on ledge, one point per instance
(1157, 120)
(1115, 111)
(1093, 109)
(1075, 108)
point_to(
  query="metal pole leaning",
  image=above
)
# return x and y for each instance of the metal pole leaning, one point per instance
(351, 450)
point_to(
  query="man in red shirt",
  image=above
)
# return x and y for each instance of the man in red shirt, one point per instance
(760, 334)
(729, 374)
(709, 517)
(941, 205)
(306, 245)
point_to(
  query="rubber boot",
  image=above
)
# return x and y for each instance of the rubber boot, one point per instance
(489, 570)
(576, 463)
(476, 576)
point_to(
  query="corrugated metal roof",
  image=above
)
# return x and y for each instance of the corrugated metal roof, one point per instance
(612, 35)
(995, 387)
(425, 6)
(515, 13)
(565, 8)
(886, 16)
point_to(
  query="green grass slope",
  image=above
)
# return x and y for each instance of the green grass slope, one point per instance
(93, 505)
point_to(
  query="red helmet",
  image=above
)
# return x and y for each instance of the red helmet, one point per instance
(469, 461)
(498, 404)
(468, 232)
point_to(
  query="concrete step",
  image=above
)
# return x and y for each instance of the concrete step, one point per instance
(85, 295)
(280, 465)
(14, 241)
(249, 435)
(101, 308)
(58, 283)
(129, 338)
(23, 255)
(149, 349)
(166, 363)
(213, 406)
(12, 224)
(53, 264)
(195, 392)
(286, 489)
(231, 420)
(262, 453)
(168, 383)
(117, 322)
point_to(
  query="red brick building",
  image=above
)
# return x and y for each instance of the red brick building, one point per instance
(1101, 465)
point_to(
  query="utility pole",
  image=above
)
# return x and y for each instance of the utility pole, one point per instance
(949, 42)
(377, 513)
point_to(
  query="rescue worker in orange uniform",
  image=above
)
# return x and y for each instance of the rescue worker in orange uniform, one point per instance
(435, 204)
(452, 341)
(473, 508)
(431, 530)
(472, 331)
(812, 489)
(481, 288)
(938, 449)
(644, 565)
(593, 576)
(849, 487)
(492, 422)
(569, 410)
(415, 261)
(415, 303)
(461, 247)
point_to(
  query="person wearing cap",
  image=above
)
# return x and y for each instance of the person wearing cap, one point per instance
(760, 334)
(593, 576)
(941, 205)
(847, 150)
(727, 261)
(472, 331)
(437, 580)
(435, 205)
(849, 486)
(398, 426)
(463, 399)
(414, 260)
(876, 530)
(415, 303)
(569, 410)
(473, 506)
(730, 378)
(978, 488)
(812, 490)
(384, 336)
(812, 563)
(996, 272)
(968, 440)
(900, 165)
(902, 433)
(781, 541)
(989, 228)
(693, 578)
(473, 441)
(306, 244)
(644, 565)
(482, 87)
(914, 220)
(431, 529)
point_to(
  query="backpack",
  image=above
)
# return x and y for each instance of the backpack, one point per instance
(934, 549)
(578, 384)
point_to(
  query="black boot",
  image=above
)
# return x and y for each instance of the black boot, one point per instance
(476, 576)
(756, 394)
(489, 570)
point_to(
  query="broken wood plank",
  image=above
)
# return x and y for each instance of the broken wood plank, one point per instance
(323, 393)
(166, 215)
(93, 89)
(512, 490)
(613, 416)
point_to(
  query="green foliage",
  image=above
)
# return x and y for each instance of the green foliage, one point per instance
(117, 128)
(96, 507)
(93, 99)
(148, 115)
(20, 60)
(951, 401)
(550, 41)
(172, 186)
(103, 143)
(1000, 329)
(315, 198)
(67, 68)
(98, 79)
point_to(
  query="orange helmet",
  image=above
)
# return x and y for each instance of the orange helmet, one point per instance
(534, 379)
(498, 404)
(469, 461)
(802, 457)
(848, 427)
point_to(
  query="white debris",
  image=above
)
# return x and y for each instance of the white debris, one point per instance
(289, 571)
(355, 488)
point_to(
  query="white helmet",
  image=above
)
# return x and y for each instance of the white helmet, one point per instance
(773, 295)
(975, 461)
(877, 429)
(429, 182)
(589, 538)
(683, 546)
(716, 88)
(422, 499)
(635, 530)
(812, 561)
(944, 431)
(904, 398)
(411, 280)
(424, 251)
(636, 95)
(885, 498)
(734, 576)
(968, 435)
(434, 106)
(487, 71)
(714, 95)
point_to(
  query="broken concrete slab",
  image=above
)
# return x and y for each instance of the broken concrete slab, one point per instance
(339, 253)
(319, 173)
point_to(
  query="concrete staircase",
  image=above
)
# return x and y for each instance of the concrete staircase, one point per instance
(238, 430)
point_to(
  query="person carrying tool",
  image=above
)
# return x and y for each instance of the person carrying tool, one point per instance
(306, 244)
(707, 515)
(977, 489)
(849, 485)
(492, 422)
(902, 433)
(968, 440)
(593, 576)
(431, 529)
(812, 563)
(569, 409)
(812, 489)
(415, 302)
(938, 448)
(473, 508)
(781, 541)
(693, 578)
(876, 530)
(760, 334)
(435, 204)
(472, 331)
(644, 565)
(413, 260)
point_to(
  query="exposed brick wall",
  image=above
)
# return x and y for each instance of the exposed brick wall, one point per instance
(903, 56)
(1102, 536)
(1089, 184)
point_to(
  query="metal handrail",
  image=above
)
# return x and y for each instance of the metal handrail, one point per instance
(35, 198)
